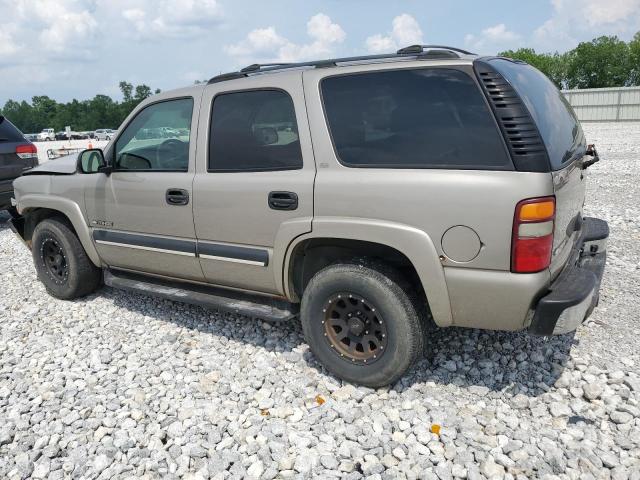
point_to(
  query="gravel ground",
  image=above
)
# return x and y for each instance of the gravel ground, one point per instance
(121, 385)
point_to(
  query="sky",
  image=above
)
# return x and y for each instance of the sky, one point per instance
(79, 48)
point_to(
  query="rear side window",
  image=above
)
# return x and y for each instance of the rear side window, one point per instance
(556, 120)
(8, 132)
(253, 131)
(422, 118)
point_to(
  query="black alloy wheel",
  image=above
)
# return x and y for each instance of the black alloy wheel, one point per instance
(54, 260)
(354, 328)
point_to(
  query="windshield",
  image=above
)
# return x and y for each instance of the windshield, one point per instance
(556, 120)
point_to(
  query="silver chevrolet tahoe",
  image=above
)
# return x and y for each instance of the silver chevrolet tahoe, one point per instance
(373, 197)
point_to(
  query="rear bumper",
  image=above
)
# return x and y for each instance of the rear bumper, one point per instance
(575, 293)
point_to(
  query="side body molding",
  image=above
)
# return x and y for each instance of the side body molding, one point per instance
(71, 210)
(412, 242)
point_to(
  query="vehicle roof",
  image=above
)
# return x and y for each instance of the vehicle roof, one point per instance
(434, 54)
(412, 52)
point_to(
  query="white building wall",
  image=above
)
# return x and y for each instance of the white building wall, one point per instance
(605, 104)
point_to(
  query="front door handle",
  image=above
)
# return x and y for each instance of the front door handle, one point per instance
(177, 196)
(283, 200)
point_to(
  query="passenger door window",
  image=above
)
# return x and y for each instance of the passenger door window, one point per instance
(157, 139)
(253, 131)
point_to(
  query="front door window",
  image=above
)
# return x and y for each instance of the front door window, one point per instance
(157, 139)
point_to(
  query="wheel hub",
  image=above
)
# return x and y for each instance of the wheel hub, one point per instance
(356, 326)
(353, 328)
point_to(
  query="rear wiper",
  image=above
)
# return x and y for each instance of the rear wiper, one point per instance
(592, 152)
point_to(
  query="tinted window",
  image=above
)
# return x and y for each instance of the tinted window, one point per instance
(426, 118)
(254, 131)
(556, 121)
(8, 132)
(157, 138)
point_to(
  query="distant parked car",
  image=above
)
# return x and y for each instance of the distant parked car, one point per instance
(17, 154)
(62, 135)
(47, 134)
(104, 134)
(32, 137)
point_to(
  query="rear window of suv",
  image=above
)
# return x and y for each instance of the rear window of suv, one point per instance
(8, 132)
(414, 118)
(556, 120)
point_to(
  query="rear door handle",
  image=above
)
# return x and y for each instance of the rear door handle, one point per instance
(177, 196)
(283, 200)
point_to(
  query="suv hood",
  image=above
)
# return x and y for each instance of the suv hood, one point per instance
(60, 166)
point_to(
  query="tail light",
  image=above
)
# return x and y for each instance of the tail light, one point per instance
(532, 239)
(27, 151)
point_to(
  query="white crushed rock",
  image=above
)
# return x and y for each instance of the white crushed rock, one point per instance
(119, 385)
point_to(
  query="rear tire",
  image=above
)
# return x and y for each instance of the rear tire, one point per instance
(360, 324)
(61, 262)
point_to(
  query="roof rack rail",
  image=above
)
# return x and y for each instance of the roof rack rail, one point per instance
(418, 49)
(226, 76)
(255, 67)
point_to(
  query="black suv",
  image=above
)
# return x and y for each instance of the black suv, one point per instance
(17, 154)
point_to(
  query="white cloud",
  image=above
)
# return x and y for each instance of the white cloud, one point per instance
(322, 29)
(493, 39)
(8, 45)
(69, 33)
(599, 13)
(261, 41)
(60, 26)
(267, 45)
(405, 31)
(575, 20)
(173, 18)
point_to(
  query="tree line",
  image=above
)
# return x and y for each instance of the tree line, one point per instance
(99, 112)
(605, 61)
(602, 62)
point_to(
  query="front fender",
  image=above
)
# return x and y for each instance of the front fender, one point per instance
(415, 244)
(68, 208)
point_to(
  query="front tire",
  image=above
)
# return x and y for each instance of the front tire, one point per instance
(61, 262)
(360, 324)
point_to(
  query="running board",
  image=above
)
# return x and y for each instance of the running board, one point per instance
(231, 301)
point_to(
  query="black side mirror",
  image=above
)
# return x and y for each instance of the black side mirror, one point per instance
(93, 161)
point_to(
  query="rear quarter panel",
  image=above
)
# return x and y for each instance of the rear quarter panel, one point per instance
(429, 200)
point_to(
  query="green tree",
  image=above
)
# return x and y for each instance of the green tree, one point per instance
(553, 65)
(634, 60)
(602, 62)
(142, 92)
(99, 112)
(127, 89)
(44, 111)
(21, 114)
